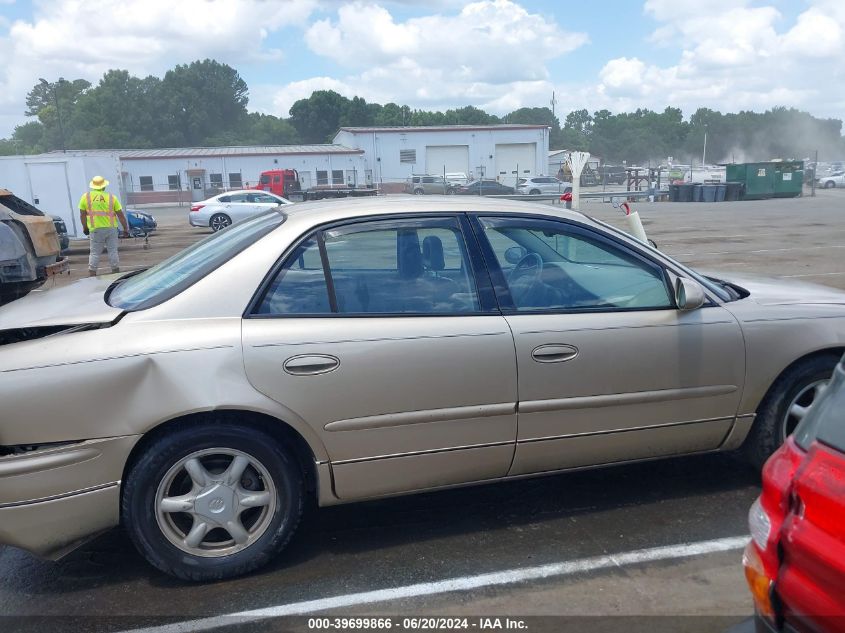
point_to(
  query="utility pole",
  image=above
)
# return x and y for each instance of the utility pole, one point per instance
(704, 151)
(815, 171)
(553, 102)
(52, 88)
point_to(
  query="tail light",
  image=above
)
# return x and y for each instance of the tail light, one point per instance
(759, 524)
(196, 207)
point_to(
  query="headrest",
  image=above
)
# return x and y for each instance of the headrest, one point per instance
(411, 262)
(433, 253)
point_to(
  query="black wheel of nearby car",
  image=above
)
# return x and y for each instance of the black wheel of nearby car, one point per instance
(785, 405)
(534, 192)
(212, 501)
(219, 221)
(418, 192)
(450, 191)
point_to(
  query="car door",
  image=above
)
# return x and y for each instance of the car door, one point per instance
(609, 369)
(237, 207)
(384, 336)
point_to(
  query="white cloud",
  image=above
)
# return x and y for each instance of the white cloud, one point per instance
(731, 56)
(492, 54)
(64, 39)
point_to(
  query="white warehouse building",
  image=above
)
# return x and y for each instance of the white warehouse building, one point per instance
(381, 157)
(500, 152)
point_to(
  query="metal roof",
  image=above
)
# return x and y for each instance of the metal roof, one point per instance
(251, 150)
(443, 128)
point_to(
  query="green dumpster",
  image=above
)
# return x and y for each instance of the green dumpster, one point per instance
(788, 178)
(758, 179)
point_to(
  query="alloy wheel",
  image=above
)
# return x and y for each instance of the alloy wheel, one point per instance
(797, 409)
(215, 502)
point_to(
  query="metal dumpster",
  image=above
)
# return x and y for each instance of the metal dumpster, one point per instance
(788, 178)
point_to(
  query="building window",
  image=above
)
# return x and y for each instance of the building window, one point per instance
(146, 183)
(216, 181)
(322, 177)
(236, 180)
(173, 183)
(337, 177)
(407, 156)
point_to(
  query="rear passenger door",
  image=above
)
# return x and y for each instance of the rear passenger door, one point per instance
(384, 336)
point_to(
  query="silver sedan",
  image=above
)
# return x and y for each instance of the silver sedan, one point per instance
(225, 209)
(348, 350)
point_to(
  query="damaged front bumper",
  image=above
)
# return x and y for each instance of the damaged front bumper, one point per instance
(53, 499)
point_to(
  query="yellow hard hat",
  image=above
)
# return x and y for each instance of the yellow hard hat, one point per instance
(98, 182)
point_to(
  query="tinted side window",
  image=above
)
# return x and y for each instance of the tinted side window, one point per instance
(549, 266)
(238, 197)
(396, 267)
(300, 286)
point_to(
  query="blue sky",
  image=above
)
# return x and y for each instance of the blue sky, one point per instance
(495, 54)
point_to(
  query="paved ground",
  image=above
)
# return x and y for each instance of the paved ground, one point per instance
(494, 541)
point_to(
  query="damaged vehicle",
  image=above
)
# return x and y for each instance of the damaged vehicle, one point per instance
(356, 349)
(30, 249)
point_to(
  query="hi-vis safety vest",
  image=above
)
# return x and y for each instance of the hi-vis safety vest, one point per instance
(101, 209)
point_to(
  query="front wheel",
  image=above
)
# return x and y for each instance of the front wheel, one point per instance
(215, 501)
(829, 184)
(785, 405)
(418, 192)
(219, 221)
(534, 192)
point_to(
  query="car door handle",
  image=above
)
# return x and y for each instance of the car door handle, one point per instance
(311, 364)
(555, 353)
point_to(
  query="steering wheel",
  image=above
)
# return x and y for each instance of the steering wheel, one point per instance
(531, 265)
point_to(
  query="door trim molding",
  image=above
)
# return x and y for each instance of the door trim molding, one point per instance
(422, 417)
(622, 399)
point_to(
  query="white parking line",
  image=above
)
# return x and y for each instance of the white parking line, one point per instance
(463, 583)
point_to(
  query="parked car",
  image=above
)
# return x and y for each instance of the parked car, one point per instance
(140, 224)
(542, 184)
(831, 180)
(484, 188)
(224, 209)
(349, 350)
(30, 249)
(61, 231)
(795, 562)
(426, 185)
(457, 179)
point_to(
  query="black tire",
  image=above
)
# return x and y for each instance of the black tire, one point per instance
(829, 184)
(219, 221)
(534, 192)
(418, 192)
(138, 500)
(766, 435)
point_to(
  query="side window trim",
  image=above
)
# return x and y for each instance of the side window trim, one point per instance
(327, 273)
(500, 283)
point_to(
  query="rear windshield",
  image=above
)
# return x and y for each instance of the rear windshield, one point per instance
(167, 279)
(21, 207)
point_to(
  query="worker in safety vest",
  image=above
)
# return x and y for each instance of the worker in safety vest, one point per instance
(99, 212)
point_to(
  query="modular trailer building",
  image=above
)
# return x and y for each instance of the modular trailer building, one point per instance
(382, 157)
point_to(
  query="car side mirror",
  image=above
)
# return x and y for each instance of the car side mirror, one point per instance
(514, 254)
(689, 295)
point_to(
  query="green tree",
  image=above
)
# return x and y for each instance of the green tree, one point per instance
(318, 117)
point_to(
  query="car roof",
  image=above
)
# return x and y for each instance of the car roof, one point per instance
(235, 191)
(323, 211)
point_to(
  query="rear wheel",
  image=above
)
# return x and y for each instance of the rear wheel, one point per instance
(534, 192)
(829, 184)
(219, 221)
(785, 405)
(214, 501)
(418, 192)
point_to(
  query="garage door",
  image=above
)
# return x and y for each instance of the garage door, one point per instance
(515, 157)
(450, 159)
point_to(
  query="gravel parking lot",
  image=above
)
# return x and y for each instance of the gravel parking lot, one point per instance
(577, 545)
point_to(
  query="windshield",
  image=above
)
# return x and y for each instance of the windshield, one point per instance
(173, 275)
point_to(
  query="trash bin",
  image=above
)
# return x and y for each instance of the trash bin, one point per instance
(685, 193)
(696, 193)
(674, 193)
(708, 193)
(732, 191)
(721, 191)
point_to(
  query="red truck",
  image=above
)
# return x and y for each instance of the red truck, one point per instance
(795, 562)
(285, 183)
